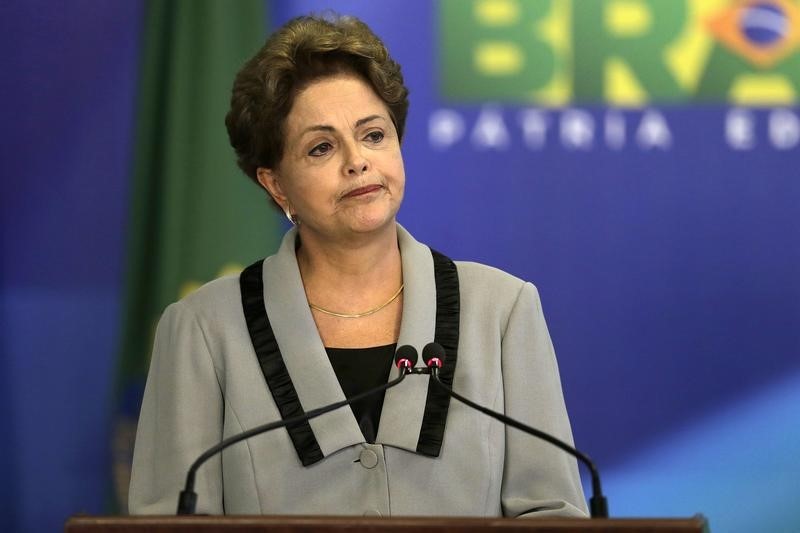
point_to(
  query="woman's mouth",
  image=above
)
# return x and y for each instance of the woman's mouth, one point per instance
(361, 191)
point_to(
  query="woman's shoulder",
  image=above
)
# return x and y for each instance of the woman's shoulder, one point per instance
(492, 296)
(213, 313)
(214, 292)
(217, 299)
(477, 275)
(486, 287)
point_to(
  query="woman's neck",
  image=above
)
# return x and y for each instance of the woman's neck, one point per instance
(358, 271)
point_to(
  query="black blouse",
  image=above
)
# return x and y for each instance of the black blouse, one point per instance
(360, 369)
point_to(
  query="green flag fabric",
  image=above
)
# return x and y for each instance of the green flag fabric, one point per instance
(194, 216)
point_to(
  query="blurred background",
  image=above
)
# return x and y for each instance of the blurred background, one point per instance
(638, 160)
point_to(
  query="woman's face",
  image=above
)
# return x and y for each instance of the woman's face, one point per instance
(342, 170)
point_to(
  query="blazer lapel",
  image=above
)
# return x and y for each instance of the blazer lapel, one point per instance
(303, 352)
(404, 405)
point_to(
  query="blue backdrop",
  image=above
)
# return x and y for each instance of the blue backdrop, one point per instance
(667, 257)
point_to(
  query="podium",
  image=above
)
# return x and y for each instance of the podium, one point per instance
(350, 524)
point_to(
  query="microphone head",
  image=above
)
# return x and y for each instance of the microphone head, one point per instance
(406, 357)
(433, 355)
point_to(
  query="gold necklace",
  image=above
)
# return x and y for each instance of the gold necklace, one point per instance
(358, 315)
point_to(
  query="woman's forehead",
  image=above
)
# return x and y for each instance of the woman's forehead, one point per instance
(342, 101)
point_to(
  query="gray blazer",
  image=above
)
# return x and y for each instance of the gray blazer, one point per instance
(205, 384)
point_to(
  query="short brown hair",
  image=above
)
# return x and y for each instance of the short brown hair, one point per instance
(303, 50)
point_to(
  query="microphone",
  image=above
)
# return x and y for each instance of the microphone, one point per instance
(405, 358)
(433, 355)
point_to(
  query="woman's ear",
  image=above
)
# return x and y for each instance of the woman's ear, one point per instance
(268, 179)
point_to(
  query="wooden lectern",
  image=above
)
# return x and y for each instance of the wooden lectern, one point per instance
(339, 524)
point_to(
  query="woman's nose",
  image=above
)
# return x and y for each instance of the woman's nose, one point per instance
(355, 164)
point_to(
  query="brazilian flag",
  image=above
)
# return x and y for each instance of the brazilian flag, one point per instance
(194, 216)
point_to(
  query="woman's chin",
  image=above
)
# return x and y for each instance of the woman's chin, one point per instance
(372, 225)
(372, 219)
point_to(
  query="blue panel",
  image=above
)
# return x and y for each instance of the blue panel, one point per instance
(738, 461)
(60, 384)
(66, 141)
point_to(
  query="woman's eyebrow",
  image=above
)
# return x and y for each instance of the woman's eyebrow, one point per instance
(325, 127)
(317, 127)
(362, 121)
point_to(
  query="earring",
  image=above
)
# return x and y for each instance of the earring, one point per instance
(291, 217)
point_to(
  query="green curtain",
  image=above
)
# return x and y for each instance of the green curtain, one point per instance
(194, 215)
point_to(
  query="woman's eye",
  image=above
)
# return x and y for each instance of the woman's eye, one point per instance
(320, 149)
(375, 136)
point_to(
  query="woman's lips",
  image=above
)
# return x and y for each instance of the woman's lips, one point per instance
(362, 191)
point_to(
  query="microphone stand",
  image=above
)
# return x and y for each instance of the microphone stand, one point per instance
(598, 505)
(405, 359)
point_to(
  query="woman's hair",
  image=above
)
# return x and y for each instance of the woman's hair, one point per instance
(305, 49)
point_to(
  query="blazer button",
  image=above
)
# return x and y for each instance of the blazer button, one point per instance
(368, 459)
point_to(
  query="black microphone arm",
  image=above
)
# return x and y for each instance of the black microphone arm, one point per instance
(433, 356)
(405, 358)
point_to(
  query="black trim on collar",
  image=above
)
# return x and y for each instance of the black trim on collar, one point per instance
(269, 356)
(448, 307)
(280, 382)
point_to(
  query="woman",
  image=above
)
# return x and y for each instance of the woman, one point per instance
(316, 119)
